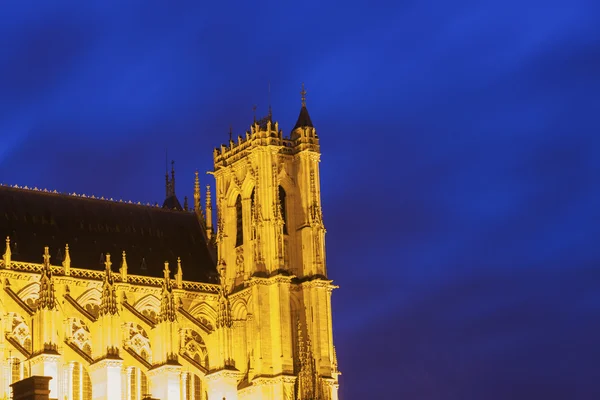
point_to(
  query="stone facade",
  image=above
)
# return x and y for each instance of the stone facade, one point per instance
(261, 330)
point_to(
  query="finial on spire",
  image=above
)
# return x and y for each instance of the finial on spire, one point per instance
(303, 94)
(254, 111)
(185, 203)
(166, 270)
(108, 300)
(270, 113)
(230, 133)
(167, 305)
(172, 178)
(197, 207)
(123, 268)
(46, 256)
(179, 275)
(208, 212)
(67, 261)
(107, 263)
(7, 254)
(222, 275)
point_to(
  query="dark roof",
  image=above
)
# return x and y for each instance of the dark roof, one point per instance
(149, 235)
(303, 119)
(172, 203)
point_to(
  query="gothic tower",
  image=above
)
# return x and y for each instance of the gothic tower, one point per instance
(270, 239)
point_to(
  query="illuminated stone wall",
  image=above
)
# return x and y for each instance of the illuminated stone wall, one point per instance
(264, 332)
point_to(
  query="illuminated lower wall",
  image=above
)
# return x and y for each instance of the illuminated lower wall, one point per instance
(261, 362)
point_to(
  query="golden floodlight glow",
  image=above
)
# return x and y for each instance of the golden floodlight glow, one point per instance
(261, 328)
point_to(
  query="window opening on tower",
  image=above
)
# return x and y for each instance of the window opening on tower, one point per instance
(282, 196)
(239, 237)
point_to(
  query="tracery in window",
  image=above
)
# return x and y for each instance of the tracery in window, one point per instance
(137, 340)
(90, 301)
(20, 332)
(195, 348)
(79, 335)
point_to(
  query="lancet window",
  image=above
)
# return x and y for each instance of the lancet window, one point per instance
(137, 385)
(81, 383)
(253, 215)
(18, 369)
(239, 237)
(193, 387)
(282, 198)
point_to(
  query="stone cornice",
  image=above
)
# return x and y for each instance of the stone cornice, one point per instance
(43, 357)
(242, 293)
(315, 283)
(270, 380)
(164, 368)
(330, 381)
(224, 373)
(93, 279)
(106, 361)
(255, 280)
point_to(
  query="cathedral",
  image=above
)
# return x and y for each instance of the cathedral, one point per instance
(117, 300)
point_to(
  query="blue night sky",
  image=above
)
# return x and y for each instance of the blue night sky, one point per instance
(460, 167)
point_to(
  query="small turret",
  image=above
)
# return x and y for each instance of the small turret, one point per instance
(108, 300)
(304, 120)
(304, 133)
(46, 298)
(167, 305)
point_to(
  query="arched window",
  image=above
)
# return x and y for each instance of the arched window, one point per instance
(239, 237)
(252, 216)
(283, 209)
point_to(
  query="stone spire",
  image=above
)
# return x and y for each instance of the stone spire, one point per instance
(171, 202)
(67, 261)
(304, 120)
(123, 269)
(108, 301)
(172, 178)
(220, 222)
(197, 207)
(167, 304)
(308, 387)
(7, 254)
(208, 213)
(167, 182)
(179, 274)
(303, 94)
(46, 299)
